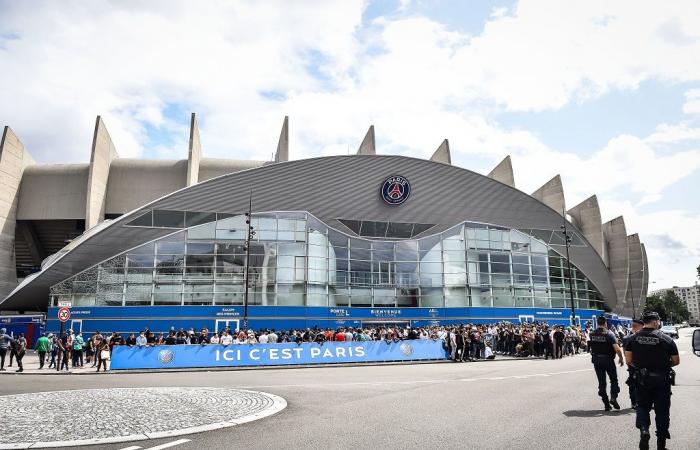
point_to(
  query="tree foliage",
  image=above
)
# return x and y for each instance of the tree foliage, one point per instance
(669, 307)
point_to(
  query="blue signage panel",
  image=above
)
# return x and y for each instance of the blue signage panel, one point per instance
(186, 356)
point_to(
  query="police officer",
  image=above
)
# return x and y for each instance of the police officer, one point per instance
(653, 354)
(631, 382)
(603, 350)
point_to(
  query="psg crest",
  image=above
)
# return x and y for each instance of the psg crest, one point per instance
(396, 190)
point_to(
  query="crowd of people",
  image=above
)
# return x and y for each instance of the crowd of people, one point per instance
(466, 342)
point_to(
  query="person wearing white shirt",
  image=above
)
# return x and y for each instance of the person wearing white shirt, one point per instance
(264, 338)
(272, 338)
(226, 339)
(214, 339)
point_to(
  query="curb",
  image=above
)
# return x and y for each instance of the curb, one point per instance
(278, 404)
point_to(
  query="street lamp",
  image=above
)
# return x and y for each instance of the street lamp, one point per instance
(567, 239)
(246, 270)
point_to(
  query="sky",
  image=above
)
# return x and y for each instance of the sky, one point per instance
(607, 94)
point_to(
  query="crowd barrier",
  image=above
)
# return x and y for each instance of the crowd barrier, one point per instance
(283, 354)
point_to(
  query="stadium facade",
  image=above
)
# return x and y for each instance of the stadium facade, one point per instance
(339, 240)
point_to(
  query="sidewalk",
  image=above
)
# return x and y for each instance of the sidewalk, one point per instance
(31, 366)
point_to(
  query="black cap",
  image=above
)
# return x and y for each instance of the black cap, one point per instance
(638, 321)
(649, 316)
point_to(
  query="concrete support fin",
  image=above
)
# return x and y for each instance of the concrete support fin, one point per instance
(442, 154)
(587, 216)
(26, 228)
(618, 253)
(13, 160)
(194, 153)
(645, 278)
(101, 156)
(283, 144)
(368, 145)
(552, 194)
(636, 276)
(503, 172)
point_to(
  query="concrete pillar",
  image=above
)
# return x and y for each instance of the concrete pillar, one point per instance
(368, 145)
(552, 194)
(618, 253)
(13, 160)
(645, 277)
(101, 156)
(194, 154)
(587, 216)
(636, 276)
(442, 154)
(283, 144)
(503, 172)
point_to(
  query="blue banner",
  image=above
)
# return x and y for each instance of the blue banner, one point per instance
(242, 355)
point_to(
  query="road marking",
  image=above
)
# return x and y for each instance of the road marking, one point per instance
(133, 447)
(382, 383)
(168, 445)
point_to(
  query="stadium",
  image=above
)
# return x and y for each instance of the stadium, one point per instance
(338, 241)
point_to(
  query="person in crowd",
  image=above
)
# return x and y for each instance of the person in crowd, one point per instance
(131, 340)
(226, 338)
(13, 351)
(272, 338)
(215, 339)
(488, 353)
(97, 339)
(64, 351)
(89, 350)
(142, 341)
(53, 348)
(558, 342)
(263, 338)
(5, 345)
(42, 347)
(78, 343)
(171, 339)
(21, 350)
(203, 338)
(105, 355)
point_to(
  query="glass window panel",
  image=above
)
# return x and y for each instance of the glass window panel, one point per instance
(231, 228)
(339, 298)
(170, 247)
(431, 297)
(455, 279)
(419, 228)
(168, 219)
(456, 297)
(353, 225)
(139, 275)
(407, 297)
(457, 256)
(144, 220)
(373, 229)
(193, 218)
(399, 230)
(500, 258)
(207, 231)
(83, 299)
(540, 281)
(500, 279)
(200, 248)
(503, 297)
(136, 260)
(430, 267)
(198, 299)
(360, 253)
(538, 247)
(480, 296)
(361, 297)
(384, 297)
(137, 294)
(539, 271)
(500, 268)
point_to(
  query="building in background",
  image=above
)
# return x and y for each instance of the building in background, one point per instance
(339, 240)
(690, 295)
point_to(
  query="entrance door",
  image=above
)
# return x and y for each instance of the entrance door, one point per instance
(526, 319)
(76, 325)
(221, 324)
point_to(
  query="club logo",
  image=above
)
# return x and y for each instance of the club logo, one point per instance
(406, 349)
(166, 356)
(396, 190)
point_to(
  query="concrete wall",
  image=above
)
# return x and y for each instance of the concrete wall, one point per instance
(53, 192)
(282, 153)
(503, 172)
(368, 146)
(135, 182)
(618, 252)
(194, 154)
(102, 154)
(636, 276)
(645, 279)
(442, 154)
(552, 194)
(213, 167)
(13, 161)
(587, 216)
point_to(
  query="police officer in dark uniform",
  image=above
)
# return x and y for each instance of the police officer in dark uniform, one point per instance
(631, 382)
(653, 354)
(603, 350)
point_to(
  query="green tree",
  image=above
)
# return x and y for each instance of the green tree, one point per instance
(656, 304)
(675, 307)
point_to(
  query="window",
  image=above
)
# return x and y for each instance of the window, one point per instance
(168, 219)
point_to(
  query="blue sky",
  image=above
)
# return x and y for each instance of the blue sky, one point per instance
(607, 94)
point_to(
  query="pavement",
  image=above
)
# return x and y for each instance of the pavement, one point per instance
(505, 405)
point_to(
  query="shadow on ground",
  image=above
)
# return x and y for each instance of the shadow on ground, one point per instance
(597, 412)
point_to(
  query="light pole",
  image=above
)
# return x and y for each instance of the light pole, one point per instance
(246, 272)
(567, 239)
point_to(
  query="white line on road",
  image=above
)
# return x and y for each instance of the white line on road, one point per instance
(133, 447)
(168, 445)
(381, 383)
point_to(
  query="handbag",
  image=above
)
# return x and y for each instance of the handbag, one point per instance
(104, 354)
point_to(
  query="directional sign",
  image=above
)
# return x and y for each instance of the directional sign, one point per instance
(63, 314)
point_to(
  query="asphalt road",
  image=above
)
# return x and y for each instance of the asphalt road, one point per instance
(501, 404)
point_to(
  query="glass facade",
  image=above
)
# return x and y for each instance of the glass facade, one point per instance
(296, 260)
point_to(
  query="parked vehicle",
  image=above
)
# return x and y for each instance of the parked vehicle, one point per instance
(670, 330)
